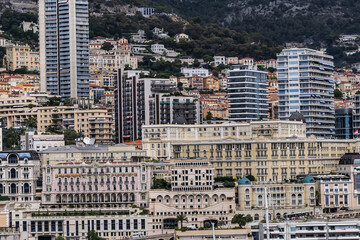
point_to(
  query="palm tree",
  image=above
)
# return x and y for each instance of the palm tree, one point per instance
(181, 218)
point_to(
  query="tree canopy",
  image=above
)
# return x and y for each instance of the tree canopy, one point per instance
(241, 219)
(93, 235)
(338, 94)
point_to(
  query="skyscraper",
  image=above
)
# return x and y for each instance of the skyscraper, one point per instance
(146, 101)
(64, 47)
(306, 85)
(247, 93)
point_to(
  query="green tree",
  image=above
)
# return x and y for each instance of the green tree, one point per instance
(271, 69)
(56, 125)
(180, 85)
(338, 94)
(53, 101)
(11, 138)
(229, 184)
(59, 238)
(2, 54)
(68, 102)
(30, 123)
(159, 183)
(181, 218)
(207, 225)
(70, 135)
(209, 116)
(208, 58)
(93, 235)
(251, 178)
(4, 198)
(107, 46)
(196, 63)
(241, 219)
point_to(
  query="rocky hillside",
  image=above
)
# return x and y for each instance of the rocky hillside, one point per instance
(312, 23)
(315, 22)
(18, 5)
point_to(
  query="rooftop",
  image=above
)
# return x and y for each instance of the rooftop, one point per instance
(91, 148)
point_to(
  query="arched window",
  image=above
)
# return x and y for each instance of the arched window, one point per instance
(26, 188)
(13, 173)
(13, 188)
(13, 159)
(256, 217)
(260, 202)
(247, 191)
(1, 189)
(293, 199)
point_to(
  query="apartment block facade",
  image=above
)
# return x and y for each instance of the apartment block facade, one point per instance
(118, 179)
(268, 150)
(313, 229)
(306, 85)
(356, 113)
(64, 47)
(247, 89)
(192, 194)
(19, 174)
(144, 101)
(48, 224)
(21, 56)
(94, 123)
(283, 198)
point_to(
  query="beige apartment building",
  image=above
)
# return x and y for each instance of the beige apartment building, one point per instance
(109, 223)
(342, 191)
(18, 56)
(268, 150)
(8, 103)
(283, 198)
(93, 123)
(108, 62)
(193, 194)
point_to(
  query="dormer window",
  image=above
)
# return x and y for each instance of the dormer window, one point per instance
(13, 159)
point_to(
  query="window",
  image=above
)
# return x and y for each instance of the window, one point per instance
(13, 159)
(120, 224)
(32, 226)
(13, 188)
(13, 173)
(112, 224)
(53, 226)
(26, 188)
(135, 224)
(105, 224)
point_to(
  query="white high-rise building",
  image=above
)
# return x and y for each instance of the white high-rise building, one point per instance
(306, 85)
(64, 47)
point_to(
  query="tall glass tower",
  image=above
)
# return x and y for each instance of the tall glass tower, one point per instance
(306, 85)
(247, 93)
(64, 47)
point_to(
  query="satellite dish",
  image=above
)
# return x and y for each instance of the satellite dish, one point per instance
(89, 141)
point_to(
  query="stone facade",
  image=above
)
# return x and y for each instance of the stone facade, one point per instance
(19, 174)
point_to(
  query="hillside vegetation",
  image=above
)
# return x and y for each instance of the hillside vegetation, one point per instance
(226, 27)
